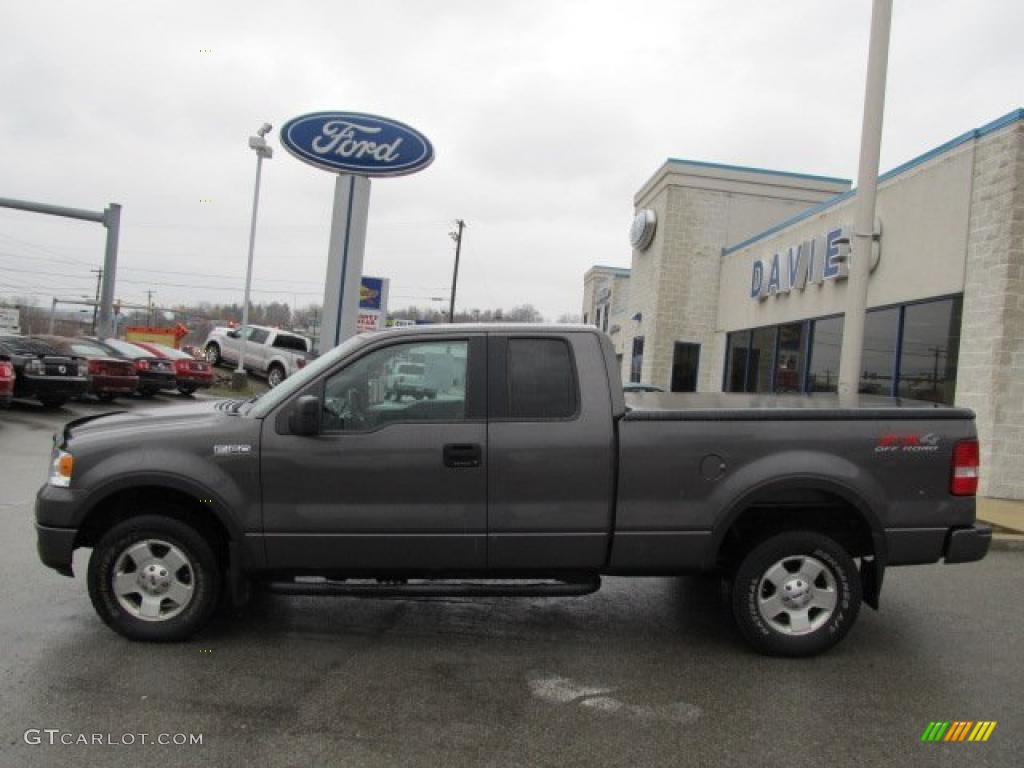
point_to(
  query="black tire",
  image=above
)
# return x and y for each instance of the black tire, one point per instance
(106, 397)
(203, 571)
(148, 392)
(212, 352)
(275, 375)
(788, 564)
(52, 402)
(187, 389)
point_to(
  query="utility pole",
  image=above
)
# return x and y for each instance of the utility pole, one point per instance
(457, 237)
(96, 306)
(852, 352)
(149, 309)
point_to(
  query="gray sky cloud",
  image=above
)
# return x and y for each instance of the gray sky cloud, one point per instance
(546, 119)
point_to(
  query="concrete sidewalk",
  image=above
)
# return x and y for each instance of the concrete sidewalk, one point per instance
(1006, 516)
(1004, 513)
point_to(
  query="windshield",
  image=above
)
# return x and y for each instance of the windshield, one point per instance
(267, 402)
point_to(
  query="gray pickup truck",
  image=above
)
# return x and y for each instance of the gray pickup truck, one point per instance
(528, 473)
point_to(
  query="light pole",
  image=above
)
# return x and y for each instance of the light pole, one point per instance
(851, 352)
(257, 143)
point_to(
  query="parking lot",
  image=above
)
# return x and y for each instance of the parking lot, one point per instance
(644, 672)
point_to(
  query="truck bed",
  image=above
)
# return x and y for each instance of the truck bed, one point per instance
(718, 406)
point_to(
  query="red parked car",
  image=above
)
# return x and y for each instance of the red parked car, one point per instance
(192, 374)
(6, 381)
(109, 376)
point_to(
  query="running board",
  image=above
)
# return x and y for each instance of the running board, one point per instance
(314, 585)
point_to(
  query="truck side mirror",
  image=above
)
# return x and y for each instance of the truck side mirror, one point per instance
(305, 416)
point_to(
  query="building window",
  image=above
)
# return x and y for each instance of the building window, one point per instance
(910, 350)
(685, 362)
(826, 341)
(737, 349)
(636, 363)
(878, 364)
(929, 350)
(790, 358)
(604, 320)
(762, 360)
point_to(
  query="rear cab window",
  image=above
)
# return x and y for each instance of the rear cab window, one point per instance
(542, 381)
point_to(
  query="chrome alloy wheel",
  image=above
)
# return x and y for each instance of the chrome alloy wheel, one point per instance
(797, 595)
(153, 580)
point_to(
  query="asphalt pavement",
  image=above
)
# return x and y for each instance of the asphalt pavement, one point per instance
(646, 672)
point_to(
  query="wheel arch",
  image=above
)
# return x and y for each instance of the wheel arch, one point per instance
(807, 502)
(182, 498)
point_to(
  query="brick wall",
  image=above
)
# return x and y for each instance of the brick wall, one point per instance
(990, 377)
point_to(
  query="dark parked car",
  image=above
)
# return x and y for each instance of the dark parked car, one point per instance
(637, 387)
(43, 372)
(154, 372)
(109, 375)
(191, 373)
(6, 381)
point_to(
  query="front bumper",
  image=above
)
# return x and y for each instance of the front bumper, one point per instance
(966, 545)
(58, 513)
(55, 546)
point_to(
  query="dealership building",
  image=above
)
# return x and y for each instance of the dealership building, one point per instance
(738, 284)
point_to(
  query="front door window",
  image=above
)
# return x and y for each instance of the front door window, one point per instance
(402, 383)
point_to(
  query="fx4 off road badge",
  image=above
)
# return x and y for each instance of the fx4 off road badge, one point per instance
(231, 449)
(896, 443)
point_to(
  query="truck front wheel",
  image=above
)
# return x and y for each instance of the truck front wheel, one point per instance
(154, 578)
(796, 594)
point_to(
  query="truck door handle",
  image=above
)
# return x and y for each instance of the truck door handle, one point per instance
(459, 455)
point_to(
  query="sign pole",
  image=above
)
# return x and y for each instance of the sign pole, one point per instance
(345, 259)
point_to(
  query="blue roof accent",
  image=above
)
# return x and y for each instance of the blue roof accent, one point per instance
(748, 169)
(963, 138)
(617, 270)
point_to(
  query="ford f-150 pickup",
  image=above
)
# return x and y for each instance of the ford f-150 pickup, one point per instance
(528, 473)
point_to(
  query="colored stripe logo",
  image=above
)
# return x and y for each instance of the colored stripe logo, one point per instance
(959, 730)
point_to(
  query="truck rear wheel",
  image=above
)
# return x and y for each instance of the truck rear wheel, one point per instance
(796, 594)
(154, 578)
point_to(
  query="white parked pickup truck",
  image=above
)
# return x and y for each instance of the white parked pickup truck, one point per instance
(270, 352)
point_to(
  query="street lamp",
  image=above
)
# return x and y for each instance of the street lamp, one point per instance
(258, 144)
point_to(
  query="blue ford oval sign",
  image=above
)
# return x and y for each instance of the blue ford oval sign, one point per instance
(351, 142)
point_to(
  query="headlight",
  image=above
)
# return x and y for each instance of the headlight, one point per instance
(60, 468)
(35, 366)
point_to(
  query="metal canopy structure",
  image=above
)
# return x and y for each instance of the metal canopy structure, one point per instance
(110, 218)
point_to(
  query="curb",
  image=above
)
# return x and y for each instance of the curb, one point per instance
(1007, 542)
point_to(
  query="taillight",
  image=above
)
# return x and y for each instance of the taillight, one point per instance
(142, 365)
(95, 367)
(6, 369)
(180, 366)
(966, 461)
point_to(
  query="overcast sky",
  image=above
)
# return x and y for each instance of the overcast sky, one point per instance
(546, 117)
